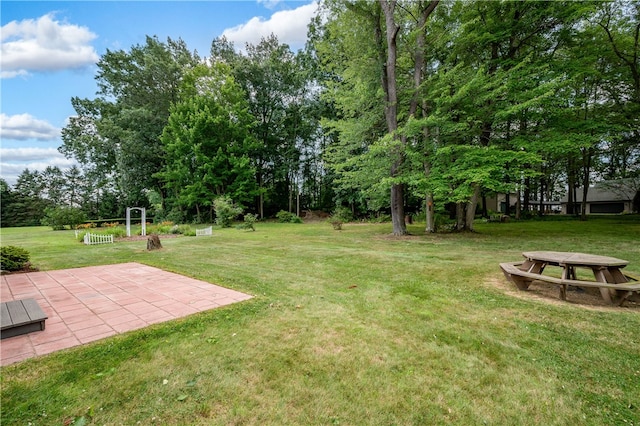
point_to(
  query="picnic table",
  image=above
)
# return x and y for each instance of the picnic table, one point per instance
(613, 284)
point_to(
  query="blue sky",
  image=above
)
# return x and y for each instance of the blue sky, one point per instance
(50, 48)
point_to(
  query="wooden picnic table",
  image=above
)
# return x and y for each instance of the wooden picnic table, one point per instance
(605, 269)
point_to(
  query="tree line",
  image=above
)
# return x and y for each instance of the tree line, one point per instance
(396, 107)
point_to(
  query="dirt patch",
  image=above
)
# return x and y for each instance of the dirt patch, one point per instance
(549, 293)
(28, 267)
(407, 237)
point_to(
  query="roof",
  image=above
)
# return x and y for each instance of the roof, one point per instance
(606, 191)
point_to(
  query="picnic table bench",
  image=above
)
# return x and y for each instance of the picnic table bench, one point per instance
(614, 285)
(20, 317)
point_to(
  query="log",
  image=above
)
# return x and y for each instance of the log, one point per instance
(153, 242)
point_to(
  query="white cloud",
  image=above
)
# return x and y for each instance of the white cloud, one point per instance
(45, 44)
(270, 4)
(24, 126)
(29, 154)
(13, 161)
(290, 26)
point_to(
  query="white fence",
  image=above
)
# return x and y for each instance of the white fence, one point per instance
(91, 239)
(204, 231)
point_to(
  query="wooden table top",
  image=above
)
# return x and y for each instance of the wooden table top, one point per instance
(569, 258)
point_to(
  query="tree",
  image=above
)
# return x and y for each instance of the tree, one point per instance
(28, 203)
(366, 87)
(119, 131)
(276, 85)
(207, 141)
(59, 217)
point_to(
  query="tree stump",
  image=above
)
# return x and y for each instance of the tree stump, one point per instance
(153, 242)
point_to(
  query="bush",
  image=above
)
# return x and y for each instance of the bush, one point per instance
(188, 231)
(182, 229)
(118, 232)
(336, 223)
(249, 220)
(225, 210)
(339, 216)
(288, 217)
(60, 217)
(13, 258)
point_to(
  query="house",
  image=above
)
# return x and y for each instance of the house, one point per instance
(498, 203)
(605, 197)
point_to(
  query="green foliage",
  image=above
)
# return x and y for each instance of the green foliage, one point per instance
(226, 211)
(339, 217)
(119, 131)
(249, 221)
(182, 229)
(284, 216)
(60, 217)
(116, 231)
(207, 141)
(13, 258)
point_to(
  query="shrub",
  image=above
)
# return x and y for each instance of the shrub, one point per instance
(249, 220)
(182, 229)
(287, 217)
(160, 229)
(60, 217)
(225, 210)
(13, 258)
(119, 232)
(339, 216)
(188, 231)
(336, 222)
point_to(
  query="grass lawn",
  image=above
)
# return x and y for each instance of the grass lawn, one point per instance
(347, 327)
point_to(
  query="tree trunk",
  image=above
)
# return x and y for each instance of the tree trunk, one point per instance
(431, 223)
(571, 184)
(418, 77)
(527, 193)
(507, 202)
(153, 242)
(391, 115)
(471, 209)
(587, 155)
(459, 216)
(541, 203)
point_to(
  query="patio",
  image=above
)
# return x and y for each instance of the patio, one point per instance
(87, 304)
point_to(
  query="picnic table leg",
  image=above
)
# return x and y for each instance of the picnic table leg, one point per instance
(616, 275)
(609, 295)
(563, 292)
(533, 266)
(521, 283)
(567, 271)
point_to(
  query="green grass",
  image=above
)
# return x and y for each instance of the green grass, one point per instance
(347, 327)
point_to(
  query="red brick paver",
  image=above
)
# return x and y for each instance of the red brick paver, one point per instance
(88, 304)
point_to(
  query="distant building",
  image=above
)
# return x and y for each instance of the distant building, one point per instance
(604, 197)
(498, 203)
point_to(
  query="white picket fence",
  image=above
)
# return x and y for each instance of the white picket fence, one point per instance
(91, 239)
(204, 231)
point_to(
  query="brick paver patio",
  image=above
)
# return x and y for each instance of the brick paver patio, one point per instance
(87, 304)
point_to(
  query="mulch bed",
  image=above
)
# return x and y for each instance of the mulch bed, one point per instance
(145, 237)
(589, 298)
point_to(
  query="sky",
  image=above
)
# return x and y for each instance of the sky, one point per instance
(50, 50)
